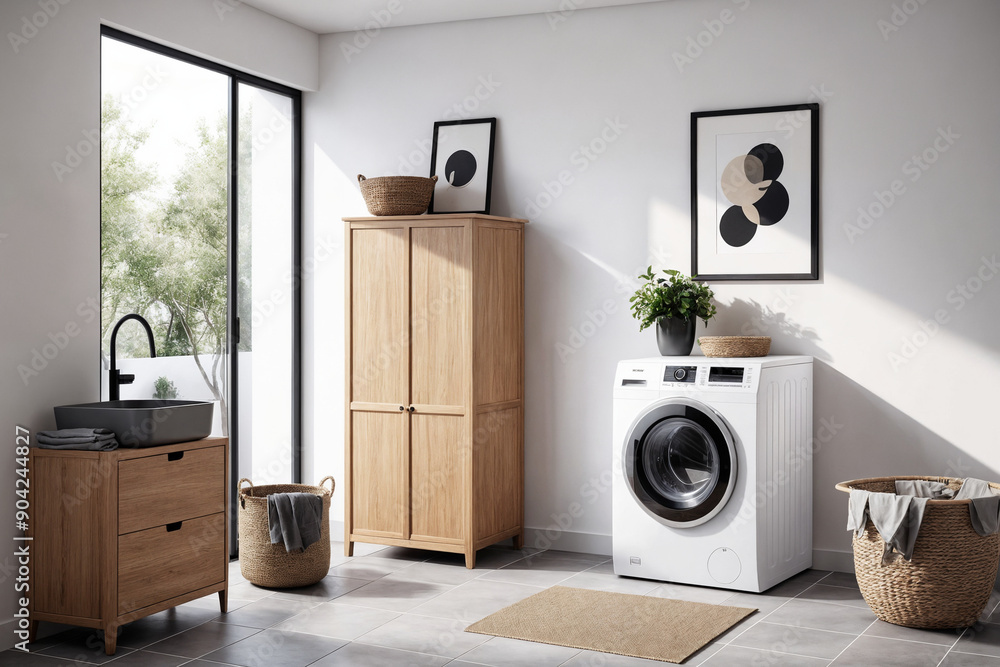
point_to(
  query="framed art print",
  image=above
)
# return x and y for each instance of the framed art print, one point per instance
(755, 193)
(462, 158)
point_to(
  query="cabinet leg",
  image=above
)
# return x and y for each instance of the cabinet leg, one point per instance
(519, 541)
(224, 600)
(348, 548)
(470, 559)
(32, 631)
(110, 638)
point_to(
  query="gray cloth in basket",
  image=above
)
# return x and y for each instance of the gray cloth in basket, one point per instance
(922, 488)
(984, 510)
(294, 519)
(897, 519)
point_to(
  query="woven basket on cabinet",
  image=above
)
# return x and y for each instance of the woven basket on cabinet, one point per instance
(270, 565)
(948, 581)
(397, 195)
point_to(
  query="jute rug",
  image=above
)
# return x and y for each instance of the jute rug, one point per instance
(633, 625)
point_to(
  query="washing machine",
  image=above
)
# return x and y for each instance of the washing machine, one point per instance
(713, 470)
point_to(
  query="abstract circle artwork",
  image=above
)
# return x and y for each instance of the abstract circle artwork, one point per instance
(750, 183)
(460, 168)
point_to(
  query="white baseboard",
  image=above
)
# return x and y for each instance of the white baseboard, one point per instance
(561, 540)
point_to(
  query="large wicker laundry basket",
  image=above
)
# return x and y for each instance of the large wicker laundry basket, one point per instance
(948, 581)
(270, 565)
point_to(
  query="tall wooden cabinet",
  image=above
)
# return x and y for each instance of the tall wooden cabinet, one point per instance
(435, 382)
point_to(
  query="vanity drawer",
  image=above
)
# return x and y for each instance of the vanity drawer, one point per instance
(160, 563)
(157, 490)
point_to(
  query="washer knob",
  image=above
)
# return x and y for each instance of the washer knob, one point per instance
(680, 374)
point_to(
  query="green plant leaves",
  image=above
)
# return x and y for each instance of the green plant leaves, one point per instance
(676, 295)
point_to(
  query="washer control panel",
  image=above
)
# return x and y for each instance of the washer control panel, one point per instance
(686, 374)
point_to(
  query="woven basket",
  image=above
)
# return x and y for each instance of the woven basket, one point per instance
(397, 195)
(735, 346)
(270, 565)
(951, 575)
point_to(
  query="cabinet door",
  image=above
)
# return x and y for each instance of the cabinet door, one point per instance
(379, 382)
(439, 382)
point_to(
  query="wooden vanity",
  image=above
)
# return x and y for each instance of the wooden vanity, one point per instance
(120, 535)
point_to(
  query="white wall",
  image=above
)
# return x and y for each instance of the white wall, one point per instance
(555, 86)
(50, 227)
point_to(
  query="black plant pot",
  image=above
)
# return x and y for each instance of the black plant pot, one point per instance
(675, 336)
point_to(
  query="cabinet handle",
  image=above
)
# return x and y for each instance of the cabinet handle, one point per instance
(171, 527)
(175, 456)
(412, 409)
(402, 409)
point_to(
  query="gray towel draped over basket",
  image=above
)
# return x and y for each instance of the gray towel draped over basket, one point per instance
(271, 565)
(948, 581)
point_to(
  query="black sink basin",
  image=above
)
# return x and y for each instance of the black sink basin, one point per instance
(142, 422)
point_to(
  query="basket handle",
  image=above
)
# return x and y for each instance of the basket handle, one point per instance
(241, 491)
(361, 178)
(434, 178)
(333, 483)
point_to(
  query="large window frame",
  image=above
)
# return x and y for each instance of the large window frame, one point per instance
(236, 77)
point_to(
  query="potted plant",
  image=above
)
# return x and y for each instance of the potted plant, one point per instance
(673, 303)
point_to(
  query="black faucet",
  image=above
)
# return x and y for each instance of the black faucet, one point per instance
(115, 376)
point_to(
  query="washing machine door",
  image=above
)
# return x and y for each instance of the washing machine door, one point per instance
(680, 461)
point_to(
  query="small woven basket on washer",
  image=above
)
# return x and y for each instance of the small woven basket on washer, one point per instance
(735, 346)
(397, 195)
(948, 581)
(270, 565)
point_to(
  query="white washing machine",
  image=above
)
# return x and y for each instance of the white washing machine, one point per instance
(713, 470)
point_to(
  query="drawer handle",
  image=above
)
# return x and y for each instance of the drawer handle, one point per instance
(171, 527)
(175, 456)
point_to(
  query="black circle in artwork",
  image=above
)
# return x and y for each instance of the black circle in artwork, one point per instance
(772, 159)
(736, 229)
(460, 168)
(773, 206)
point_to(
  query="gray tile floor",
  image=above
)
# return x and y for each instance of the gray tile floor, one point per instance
(390, 606)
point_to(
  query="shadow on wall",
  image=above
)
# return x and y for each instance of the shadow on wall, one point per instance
(858, 434)
(745, 317)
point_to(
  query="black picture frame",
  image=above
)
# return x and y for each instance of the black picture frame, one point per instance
(465, 143)
(782, 140)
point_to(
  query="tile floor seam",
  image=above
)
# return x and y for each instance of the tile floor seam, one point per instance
(951, 649)
(759, 620)
(802, 627)
(360, 640)
(860, 635)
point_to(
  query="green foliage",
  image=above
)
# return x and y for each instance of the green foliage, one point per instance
(164, 255)
(164, 388)
(674, 296)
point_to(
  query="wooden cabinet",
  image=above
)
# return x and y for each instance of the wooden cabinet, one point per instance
(435, 382)
(120, 535)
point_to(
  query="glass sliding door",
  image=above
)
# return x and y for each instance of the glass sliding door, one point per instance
(200, 220)
(265, 279)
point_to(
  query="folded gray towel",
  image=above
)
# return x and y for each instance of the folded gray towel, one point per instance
(923, 489)
(897, 519)
(96, 439)
(294, 519)
(984, 510)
